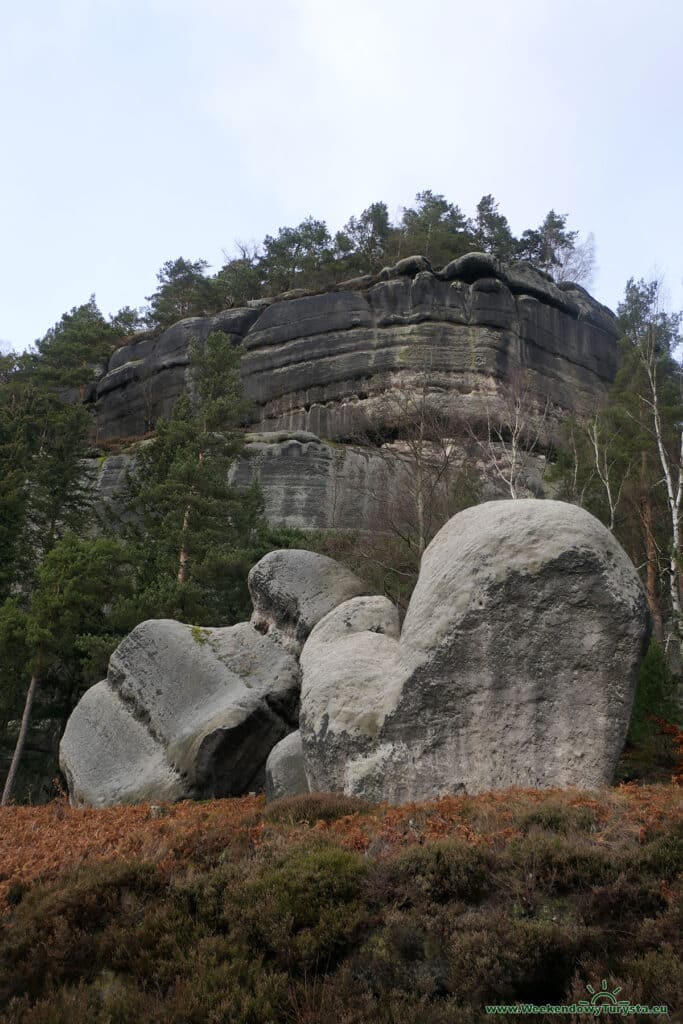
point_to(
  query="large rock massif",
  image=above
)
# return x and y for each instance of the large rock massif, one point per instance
(324, 370)
(516, 665)
(320, 362)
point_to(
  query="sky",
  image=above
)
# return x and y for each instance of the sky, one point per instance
(137, 131)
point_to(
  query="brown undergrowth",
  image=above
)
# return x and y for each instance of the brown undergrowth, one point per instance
(326, 909)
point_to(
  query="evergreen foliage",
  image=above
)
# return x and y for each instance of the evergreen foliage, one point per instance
(61, 631)
(183, 291)
(194, 537)
(309, 256)
(547, 245)
(69, 352)
(67, 597)
(655, 695)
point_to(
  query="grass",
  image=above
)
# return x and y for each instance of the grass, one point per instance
(331, 910)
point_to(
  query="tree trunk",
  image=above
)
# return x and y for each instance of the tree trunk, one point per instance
(651, 569)
(183, 557)
(673, 479)
(21, 742)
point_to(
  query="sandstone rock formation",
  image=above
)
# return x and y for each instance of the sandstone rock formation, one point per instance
(285, 772)
(340, 366)
(516, 664)
(189, 712)
(293, 589)
(325, 363)
(319, 362)
(183, 712)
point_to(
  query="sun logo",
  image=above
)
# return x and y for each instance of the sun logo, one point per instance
(602, 995)
(605, 999)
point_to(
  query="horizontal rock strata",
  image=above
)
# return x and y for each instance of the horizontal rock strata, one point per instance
(322, 362)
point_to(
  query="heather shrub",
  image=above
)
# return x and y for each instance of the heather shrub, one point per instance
(311, 807)
(438, 872)
(246, 924)
(557, 817)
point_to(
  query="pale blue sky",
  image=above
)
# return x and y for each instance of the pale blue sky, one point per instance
(136, 132)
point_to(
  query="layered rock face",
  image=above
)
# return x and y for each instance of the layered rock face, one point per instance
(341, 366)
(516, 664)
(320, 362)
(308, 484)
(326, 363)
(142, 381)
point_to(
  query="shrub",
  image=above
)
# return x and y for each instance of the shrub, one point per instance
(304, 910)
(556, 817)
(55, 929)
(311, 807)
(555, 865)
(438, 872)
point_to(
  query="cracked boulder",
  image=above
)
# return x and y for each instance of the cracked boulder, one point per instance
(193, 712)
(516, 664)
(184, 712)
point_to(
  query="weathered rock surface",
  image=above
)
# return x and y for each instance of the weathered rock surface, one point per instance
(143, 381)
(309, 484)
(293, 589)
(516, 664)
(183, 712)
(320, 362)
(285, 774)
(190, 712)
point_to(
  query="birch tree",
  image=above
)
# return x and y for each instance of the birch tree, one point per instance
(515, 432)
(651, 336)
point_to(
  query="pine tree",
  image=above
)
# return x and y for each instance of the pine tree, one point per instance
(296, 256)
(435, 228)
(52, 636)
(196, 536)
(547, 245)
(491, 231)
(184, 290)
(68, 354)
(43, 493)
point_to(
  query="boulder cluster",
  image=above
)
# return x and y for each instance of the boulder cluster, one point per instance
(515, 666)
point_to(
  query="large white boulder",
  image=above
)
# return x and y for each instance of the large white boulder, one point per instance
(184, 712)
(516, 664)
